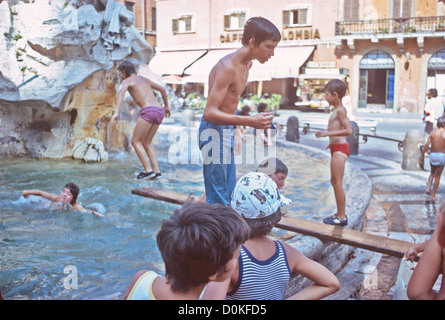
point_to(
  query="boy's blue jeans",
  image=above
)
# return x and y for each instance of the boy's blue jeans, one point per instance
(216, 143)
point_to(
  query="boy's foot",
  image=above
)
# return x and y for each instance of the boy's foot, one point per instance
(335, 221)
(156, 175)
(145, 175)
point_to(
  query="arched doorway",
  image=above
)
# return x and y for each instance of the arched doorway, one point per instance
(376, 87)
(436, 73)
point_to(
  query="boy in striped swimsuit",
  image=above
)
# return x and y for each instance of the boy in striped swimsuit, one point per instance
(265, 266)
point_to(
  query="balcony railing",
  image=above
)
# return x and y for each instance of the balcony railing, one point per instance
(391, 26)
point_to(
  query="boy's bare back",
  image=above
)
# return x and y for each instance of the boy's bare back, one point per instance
(438, 140)
(141, 90)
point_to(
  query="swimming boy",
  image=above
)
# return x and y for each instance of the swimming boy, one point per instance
(265, 266)
(67, 196)
(437, 156)
(199, 243)
(339, 127)
(227, 81)
(150, 116)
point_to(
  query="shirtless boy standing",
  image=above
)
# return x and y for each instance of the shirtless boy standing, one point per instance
(437, 156)
(150, 116)
(227, 81)
(339, 128)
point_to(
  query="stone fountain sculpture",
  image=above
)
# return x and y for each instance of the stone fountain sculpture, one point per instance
(58, 77)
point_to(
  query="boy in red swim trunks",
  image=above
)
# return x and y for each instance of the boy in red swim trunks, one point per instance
(339, 128)
(150, 116)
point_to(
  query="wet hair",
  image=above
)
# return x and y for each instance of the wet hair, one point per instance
(337, 86)
(433, 92)
(441, 122)
(260, 29)
(126, 67)
(198, 241)
(271, 166)
(262, 107)
(74, 189)
(263, 226)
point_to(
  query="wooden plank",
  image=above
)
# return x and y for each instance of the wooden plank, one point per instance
(324, 232)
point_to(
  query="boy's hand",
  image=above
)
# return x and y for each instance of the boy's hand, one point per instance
(321, 134)
(262, 120)
(411, 254)
(167, 112)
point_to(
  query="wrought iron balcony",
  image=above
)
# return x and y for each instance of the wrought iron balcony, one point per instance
(393, 26)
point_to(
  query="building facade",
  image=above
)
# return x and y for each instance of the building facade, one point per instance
(388, 51)
(144, 17)
(394, 51)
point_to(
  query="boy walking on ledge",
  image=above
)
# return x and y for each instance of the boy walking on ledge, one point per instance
(339, 127)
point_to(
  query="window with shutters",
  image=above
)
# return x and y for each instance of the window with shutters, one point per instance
(350, 10)
(183, 24)
(402, 8)
(296, 17)
(234, 21)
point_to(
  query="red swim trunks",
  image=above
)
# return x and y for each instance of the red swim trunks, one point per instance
(152, 114)
(342, 147)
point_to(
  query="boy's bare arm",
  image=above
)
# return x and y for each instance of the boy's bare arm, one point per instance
(47, 195)
(120, 99)
(78, 207)
(345, 127)
(218, 93)
(324, 281)
(163, 92)
(425, 274)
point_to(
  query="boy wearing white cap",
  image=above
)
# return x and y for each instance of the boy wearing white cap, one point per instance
(265, 266)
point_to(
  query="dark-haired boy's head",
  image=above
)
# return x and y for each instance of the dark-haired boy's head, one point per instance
(262, 107)
(127, 68)
(74, 189)
(336, 86)
(441, 122)
(433, 92)
(260, 29)
(198, 241)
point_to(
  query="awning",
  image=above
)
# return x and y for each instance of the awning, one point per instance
(174, 62)
(200, 70)
(285, 63)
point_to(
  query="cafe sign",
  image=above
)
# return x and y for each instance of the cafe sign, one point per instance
(287, 34)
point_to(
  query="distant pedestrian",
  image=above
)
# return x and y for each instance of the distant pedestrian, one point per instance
(434, 108)
(436, 140)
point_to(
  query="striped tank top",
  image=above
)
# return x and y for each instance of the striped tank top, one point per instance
(261, 280)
